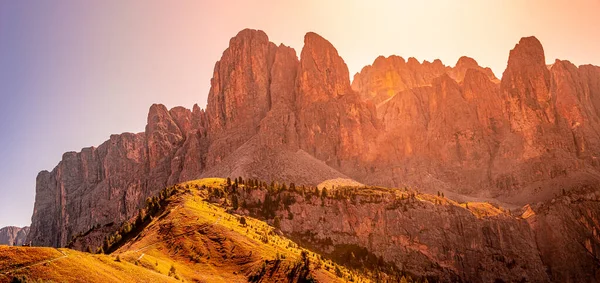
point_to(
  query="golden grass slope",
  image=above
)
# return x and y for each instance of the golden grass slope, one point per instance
(65, 265)
(206, 244)
(191, 241)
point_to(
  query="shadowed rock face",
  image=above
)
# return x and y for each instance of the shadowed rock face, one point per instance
(433, 237)
(107, 184)
(454, 129)
(13, 236)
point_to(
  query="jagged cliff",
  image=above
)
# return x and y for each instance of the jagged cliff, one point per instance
(436, 237)
(273, 116)
(521, 139)
(13, 236)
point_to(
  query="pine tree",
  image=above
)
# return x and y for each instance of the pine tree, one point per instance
(234, 202)
(126, 228)
(305, 258)
(140, 218)
(277, 222)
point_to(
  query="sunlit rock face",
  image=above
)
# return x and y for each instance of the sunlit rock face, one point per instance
(388, 76)
(334, 124)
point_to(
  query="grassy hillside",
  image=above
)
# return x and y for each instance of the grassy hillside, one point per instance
(65, 265)
(187, 240)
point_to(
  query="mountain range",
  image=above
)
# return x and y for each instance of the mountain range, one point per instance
(527, 143)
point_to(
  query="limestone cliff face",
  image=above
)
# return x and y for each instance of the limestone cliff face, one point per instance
(567, 236)
(13, 236)
(106, 185)
(442, 242)
(240, 95)
(433, 237)
(323, 74)
(334, 125)
(522, 139)
(278, 128)
(465, 64)
(388, 76)
(443, 133)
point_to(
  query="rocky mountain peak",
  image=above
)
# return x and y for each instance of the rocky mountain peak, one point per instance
(322, 73)
(162, 132)
(526, 84)
(529, 51)
(239, 94)
(526, 75)
(464, 64)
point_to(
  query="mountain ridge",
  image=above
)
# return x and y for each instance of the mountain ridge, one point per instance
(522, 139)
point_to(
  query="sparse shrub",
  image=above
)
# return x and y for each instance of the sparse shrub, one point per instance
(20, 279)
(173, 270)
(277, 222)
(338, 272)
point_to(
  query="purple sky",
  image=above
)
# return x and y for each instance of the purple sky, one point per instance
(74, 72)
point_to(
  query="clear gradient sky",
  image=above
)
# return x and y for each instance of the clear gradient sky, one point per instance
(73, 72)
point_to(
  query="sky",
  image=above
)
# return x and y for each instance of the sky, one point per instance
(73, 72)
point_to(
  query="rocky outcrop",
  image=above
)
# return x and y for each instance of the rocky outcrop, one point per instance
(436, 238)
(567, 236)
(13, 236)
(106, 185)
(522, 140)
(465, 64)
(333, 125)
(388, 76)
(239, 96)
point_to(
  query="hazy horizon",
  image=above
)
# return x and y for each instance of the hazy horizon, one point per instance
(73, 73)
